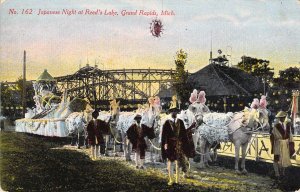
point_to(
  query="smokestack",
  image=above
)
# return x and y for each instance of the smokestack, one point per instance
(210, 57)
(24, 85)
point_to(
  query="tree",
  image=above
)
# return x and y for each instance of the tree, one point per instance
(257, 67)
(181, 86)
(289, 78)
(291, 74)
(29, 91)
(10, 100)
(281, 91)
(6, 95)
(247, 63)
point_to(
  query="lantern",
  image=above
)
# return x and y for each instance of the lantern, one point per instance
(156, 27)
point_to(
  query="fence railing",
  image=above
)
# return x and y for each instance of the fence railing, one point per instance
(259, 149)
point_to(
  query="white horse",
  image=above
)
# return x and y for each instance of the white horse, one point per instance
(111, 117)
(155, 147)
(238, 130)
(76, 123)
(151, 118)
(209, 134)
(121, 121)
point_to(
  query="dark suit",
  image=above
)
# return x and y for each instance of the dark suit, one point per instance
(178, 139)
(96, 129)
(136, 136)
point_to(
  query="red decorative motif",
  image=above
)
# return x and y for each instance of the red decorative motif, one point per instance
(156, 27)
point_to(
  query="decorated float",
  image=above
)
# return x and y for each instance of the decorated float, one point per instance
(48, 117)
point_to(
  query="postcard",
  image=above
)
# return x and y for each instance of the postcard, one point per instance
(160, 95)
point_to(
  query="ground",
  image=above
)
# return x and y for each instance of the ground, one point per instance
(32, 163)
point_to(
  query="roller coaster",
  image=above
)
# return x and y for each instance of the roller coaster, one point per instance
(132, 86)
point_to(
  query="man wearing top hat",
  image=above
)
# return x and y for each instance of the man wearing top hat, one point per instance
(174, 144)
(136, 134)
(282, 143)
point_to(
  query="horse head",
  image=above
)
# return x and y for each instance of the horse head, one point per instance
(114, 111)
(151, 116)
(198, 109)
(187, 117)
(256, 118)
(264, 114)
(259, 114)
(197, 106)
(114, 117)
(263, 118)
(87, 113)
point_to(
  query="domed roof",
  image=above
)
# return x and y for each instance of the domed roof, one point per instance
(45, 76)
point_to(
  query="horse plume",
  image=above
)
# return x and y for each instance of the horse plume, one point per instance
(255, 103)
(193, 97)
(201, 97)
(263, 102)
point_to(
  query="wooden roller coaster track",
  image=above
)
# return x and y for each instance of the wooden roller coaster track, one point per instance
(130, 85)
